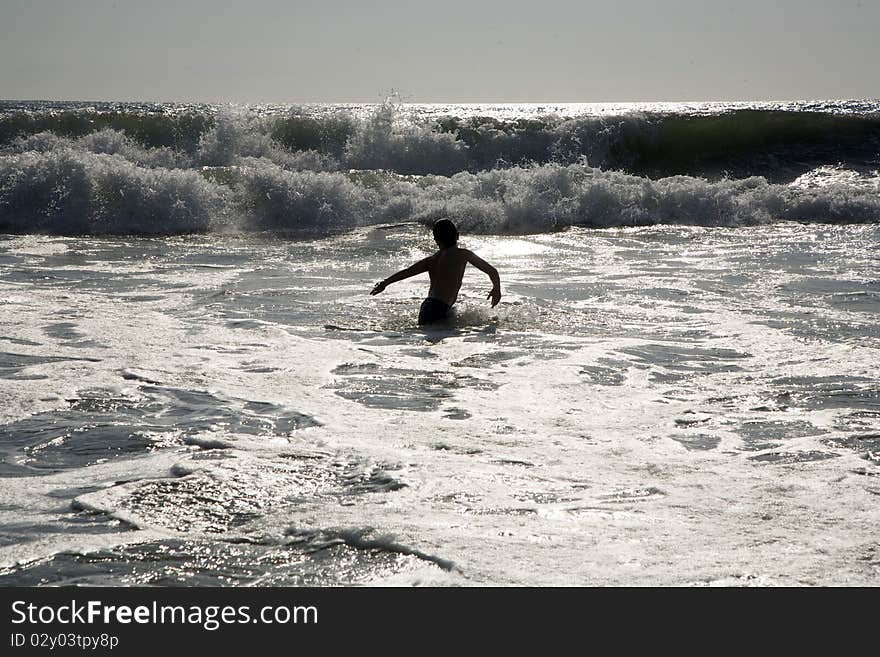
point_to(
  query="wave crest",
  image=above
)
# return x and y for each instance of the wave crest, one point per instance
(70, 191)
(80, 192)
(776, 144)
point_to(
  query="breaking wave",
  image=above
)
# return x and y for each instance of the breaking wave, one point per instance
(66, 191)
(142, 171)
(778, 144)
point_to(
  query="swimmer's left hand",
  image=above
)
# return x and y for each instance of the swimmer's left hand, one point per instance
(495, 295)
(380, 286)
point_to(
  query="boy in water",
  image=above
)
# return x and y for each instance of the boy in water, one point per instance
(446, 269)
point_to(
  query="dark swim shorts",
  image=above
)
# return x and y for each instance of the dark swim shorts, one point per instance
(433, 310)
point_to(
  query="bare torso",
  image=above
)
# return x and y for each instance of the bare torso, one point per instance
(446, 269)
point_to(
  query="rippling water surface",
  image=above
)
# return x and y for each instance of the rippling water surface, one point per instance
(648, 405)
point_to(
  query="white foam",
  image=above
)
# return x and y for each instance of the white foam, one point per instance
(548, 474)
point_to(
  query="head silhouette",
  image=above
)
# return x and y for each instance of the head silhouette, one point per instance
(445, 233)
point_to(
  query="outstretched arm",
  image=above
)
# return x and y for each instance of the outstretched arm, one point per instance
(419, 268)
(491, 272)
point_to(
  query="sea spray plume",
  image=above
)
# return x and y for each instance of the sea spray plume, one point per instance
(836, 203)
(234, 134)
(40, 142)
(516, 200)
(45, 192)
(549, 197)
(519, 200)
(271, 198)
(240, 134)
(383, 142)
(113, 142)
(72, 191)
(76, 192)
(129, 199)
(107, 141)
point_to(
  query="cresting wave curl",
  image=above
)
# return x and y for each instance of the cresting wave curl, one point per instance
(118, 173)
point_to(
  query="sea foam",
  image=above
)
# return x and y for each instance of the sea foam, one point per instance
(311, 175)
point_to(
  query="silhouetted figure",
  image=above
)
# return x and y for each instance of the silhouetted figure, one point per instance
(446, 269)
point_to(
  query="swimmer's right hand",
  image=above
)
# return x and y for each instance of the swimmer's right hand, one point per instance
(495, 295)
(380, 286)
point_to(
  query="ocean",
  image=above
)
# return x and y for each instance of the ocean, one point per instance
(678, 388)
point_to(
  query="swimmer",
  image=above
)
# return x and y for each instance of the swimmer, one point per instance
(446, 270)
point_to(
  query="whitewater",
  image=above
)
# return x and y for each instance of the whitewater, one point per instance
(679, 387)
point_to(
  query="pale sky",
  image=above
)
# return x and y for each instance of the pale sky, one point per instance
(444, 51)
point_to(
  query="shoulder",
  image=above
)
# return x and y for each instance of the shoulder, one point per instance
(471, 257)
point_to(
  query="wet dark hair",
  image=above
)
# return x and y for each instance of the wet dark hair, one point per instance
(445, 233)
